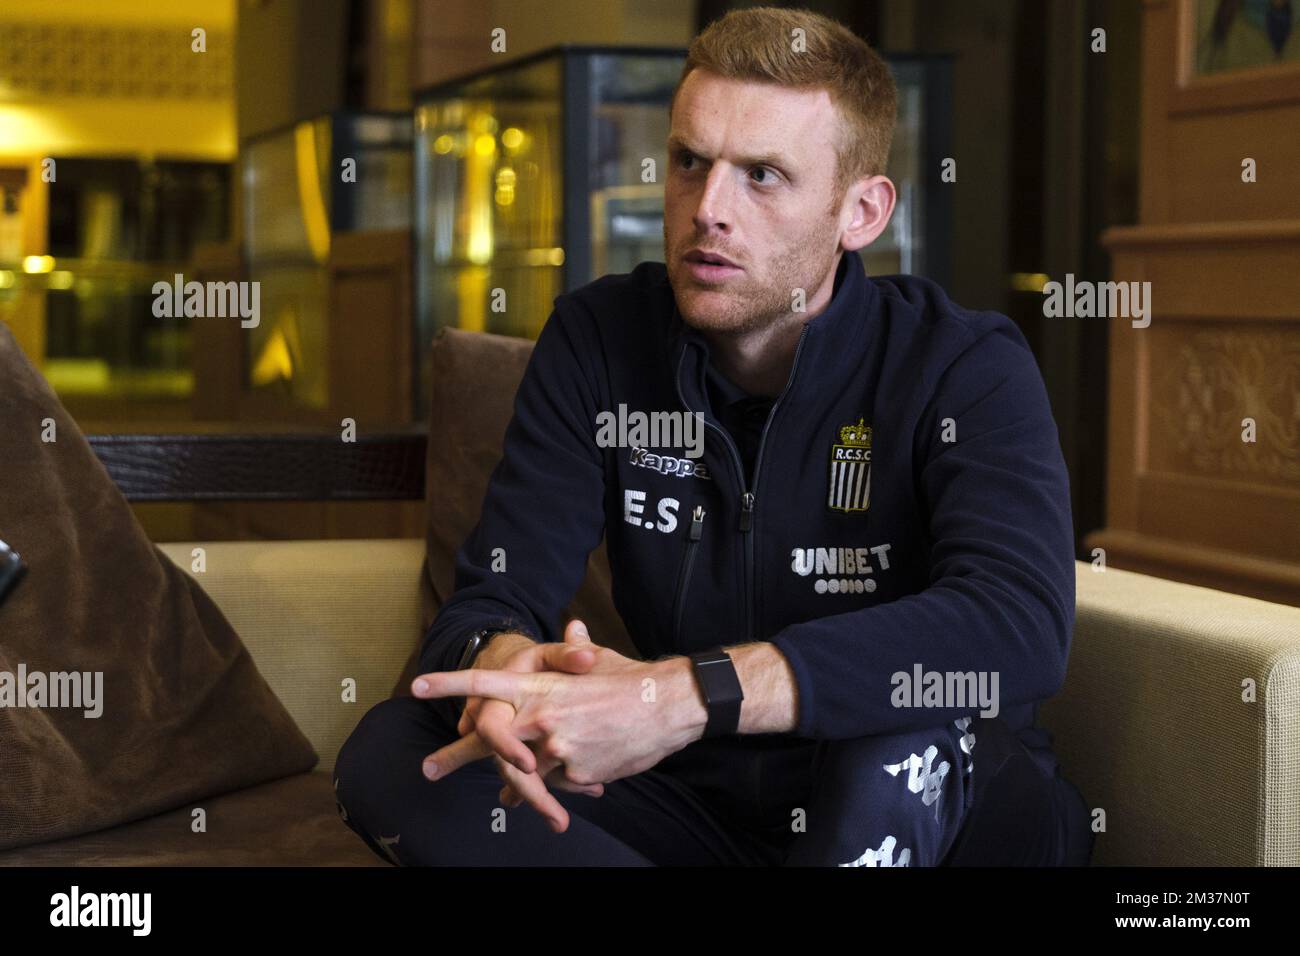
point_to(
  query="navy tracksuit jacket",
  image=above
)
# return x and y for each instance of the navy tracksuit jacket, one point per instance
(908, 505)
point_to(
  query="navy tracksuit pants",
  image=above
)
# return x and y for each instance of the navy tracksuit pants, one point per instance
(897, 800)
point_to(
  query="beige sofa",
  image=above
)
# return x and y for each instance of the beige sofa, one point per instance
(1151, 724)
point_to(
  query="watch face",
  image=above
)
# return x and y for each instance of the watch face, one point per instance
(717, 676)
(476, 642)
(471, 649)
(710, 657)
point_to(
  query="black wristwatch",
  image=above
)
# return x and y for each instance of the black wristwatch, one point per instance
(477, 641)
(716, 674)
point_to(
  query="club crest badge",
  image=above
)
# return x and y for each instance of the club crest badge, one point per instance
(850, 469)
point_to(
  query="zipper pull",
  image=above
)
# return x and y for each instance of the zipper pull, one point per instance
(697, 523)
(746, 510)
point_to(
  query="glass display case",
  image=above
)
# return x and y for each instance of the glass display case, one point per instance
(114, 227)
(916, 241)
(342, 172)
(528, 179)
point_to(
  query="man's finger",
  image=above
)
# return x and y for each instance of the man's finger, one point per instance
(570, 658)
(531, 788)
(510, 796)
(475, 682)
(455, 755)
(553, 775)
(495, 724)
(556, 780)
(469, 715)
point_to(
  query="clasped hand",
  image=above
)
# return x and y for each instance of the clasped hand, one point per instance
(574, 714)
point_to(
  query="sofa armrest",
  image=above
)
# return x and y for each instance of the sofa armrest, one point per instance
(1152, 726)
(315, 613)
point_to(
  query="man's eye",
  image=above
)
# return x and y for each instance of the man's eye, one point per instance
(765, 170)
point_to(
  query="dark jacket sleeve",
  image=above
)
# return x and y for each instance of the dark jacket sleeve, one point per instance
(543, 512)
(1001, 592)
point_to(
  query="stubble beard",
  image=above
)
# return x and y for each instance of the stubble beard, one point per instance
(748, 303)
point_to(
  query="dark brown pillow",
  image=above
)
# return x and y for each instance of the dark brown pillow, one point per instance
(184, 712)
(474, 379)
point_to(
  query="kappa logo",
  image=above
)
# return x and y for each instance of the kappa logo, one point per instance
(668, 465)
(923, 776)
(850, 469)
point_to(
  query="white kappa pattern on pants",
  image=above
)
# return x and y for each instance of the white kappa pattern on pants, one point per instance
(922, 778)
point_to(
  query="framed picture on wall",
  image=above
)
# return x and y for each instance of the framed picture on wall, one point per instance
(1235, 53)
(1241, 34)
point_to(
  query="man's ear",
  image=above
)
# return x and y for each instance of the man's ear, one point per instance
(874, 200)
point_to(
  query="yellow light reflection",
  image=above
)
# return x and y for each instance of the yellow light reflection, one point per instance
(275, 363)
(314, 219)
(6, 279)
(62, 279)
(479, 188)
(471, 297)
(444, 144)
(548, 256)
(512, 137)
(505, 194)
(83, 376)
(37, 264)
(1029, 281)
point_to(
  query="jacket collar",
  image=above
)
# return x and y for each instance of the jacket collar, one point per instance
(833, 341)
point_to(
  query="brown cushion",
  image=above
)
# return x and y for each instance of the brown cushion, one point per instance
(474, 379)
(293, 821)
(185, 713)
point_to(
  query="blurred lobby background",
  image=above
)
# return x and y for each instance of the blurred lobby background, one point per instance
(477, 170)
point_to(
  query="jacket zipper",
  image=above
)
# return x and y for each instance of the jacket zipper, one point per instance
(747, 502)
(748, 496)
(684, 575)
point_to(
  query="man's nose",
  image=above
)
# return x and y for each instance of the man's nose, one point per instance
(714, 205)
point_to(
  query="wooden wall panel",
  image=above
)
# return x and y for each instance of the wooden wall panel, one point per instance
(1206, 381)
(1204, 167)
(1187, 497)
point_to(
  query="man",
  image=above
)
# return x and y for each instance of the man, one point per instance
(881, 496)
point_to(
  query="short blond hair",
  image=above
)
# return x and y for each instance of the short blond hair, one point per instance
(758, 44)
